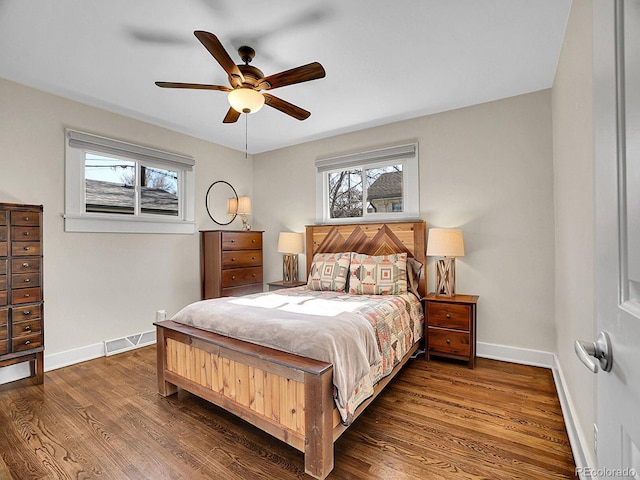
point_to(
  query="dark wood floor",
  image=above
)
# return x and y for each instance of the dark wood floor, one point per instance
(436, 420)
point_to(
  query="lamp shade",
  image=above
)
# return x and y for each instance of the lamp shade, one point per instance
(445, 242)
(232, 206)
(290, 242)
(244, 205)
(245, 100)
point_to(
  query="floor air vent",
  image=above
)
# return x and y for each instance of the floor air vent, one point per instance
(137, 340)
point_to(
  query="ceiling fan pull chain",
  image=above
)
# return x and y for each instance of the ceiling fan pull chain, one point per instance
(246, 135)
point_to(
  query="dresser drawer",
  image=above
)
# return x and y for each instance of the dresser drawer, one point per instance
(4, 249)
(25, 234)
(241, 276)
(3, 233)
(3, 266)
(3, 282)
(242, 290)
(4, 324)
(3, 298)
(20, 280)
(26, 295)
(21, 329)
(28, 312)
(449, 341)
(24, 265)
(242, 258)
(27, 342)
(448, 315)
(241, 240)
(19, 249)
(25, 218)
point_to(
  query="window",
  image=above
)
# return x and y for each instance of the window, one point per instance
(113, 186)
(376, 185)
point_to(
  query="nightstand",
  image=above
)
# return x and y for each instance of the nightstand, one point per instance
(280, 284)
(451, 327)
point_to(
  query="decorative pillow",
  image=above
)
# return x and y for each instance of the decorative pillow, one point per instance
(329, 271)
(378, 275)
(414, 272)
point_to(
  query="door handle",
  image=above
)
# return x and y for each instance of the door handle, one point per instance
(600, 350)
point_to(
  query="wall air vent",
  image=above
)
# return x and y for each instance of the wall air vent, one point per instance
(123, 344)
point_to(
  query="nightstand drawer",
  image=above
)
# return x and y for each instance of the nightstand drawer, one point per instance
(449, 341)
(449, 315)
(241, 276)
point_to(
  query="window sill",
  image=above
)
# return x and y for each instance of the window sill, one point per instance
(118, 224)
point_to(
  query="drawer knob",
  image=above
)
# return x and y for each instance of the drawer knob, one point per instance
(26, 219)
(26, 234)
(26, 295)
(448, 341)
(253, 258)
(253, 241)
(253, 275)
(233, 241)
(27, 328)
(448, 315)
(25, 265)
(233, 277)
(233, 259)
(26, 249)
(28, 342)
(26, 312)
(27, 280)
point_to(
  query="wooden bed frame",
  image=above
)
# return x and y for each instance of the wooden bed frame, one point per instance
(286, 395)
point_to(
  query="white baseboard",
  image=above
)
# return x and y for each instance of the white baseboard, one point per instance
(579, 446)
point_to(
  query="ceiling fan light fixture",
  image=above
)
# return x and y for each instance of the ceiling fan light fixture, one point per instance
(245, 100)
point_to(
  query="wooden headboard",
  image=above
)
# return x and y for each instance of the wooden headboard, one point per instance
(372, 239)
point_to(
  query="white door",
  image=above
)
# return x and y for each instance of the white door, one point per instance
(617, 231)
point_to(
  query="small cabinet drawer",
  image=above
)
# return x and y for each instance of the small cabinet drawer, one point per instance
(3, 266)
(25, 218)
(4, 347)
(28, 312)
(27, 342)
(21, 280)
(3, 233)
(449, 315)
(24, 265)
(3, 282)
(449, 341)
(26, 295)
(241, 276)
(3, 217)
(3, 298)
(20, 329)
(4, 249)
(241, 240)
(25, 234)
(243, 258)
(25, 248)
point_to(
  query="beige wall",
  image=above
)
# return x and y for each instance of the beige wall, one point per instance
(574, 202)
(102, 286)
(487, 169)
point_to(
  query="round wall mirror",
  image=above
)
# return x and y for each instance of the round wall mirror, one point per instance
(216, 200)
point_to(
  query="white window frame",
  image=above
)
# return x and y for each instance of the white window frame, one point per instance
(405, 155)
(77, 219)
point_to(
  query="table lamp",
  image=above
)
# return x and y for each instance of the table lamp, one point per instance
(290, 243)
(447, 243)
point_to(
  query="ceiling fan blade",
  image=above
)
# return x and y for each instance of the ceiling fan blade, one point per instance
(197, 86)
(311, 71)
(232, 116)
(286, 107)
(215, 48)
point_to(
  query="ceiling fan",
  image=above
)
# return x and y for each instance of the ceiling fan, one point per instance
(247, 81)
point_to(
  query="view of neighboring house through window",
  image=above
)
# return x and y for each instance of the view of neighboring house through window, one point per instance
(380, 184)
(128, 187)
(119, 187)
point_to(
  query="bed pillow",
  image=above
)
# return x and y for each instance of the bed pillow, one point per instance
(414, 272)
(329, 271)
(378, 275)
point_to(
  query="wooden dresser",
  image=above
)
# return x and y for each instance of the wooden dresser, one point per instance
(451, 327)
(21, 287)
(231, 263)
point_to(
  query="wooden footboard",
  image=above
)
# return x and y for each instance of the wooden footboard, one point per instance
(286, 395)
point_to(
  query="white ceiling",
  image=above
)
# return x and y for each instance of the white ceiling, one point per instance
(385, 60)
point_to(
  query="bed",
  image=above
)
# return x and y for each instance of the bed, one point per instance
(290, 396)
